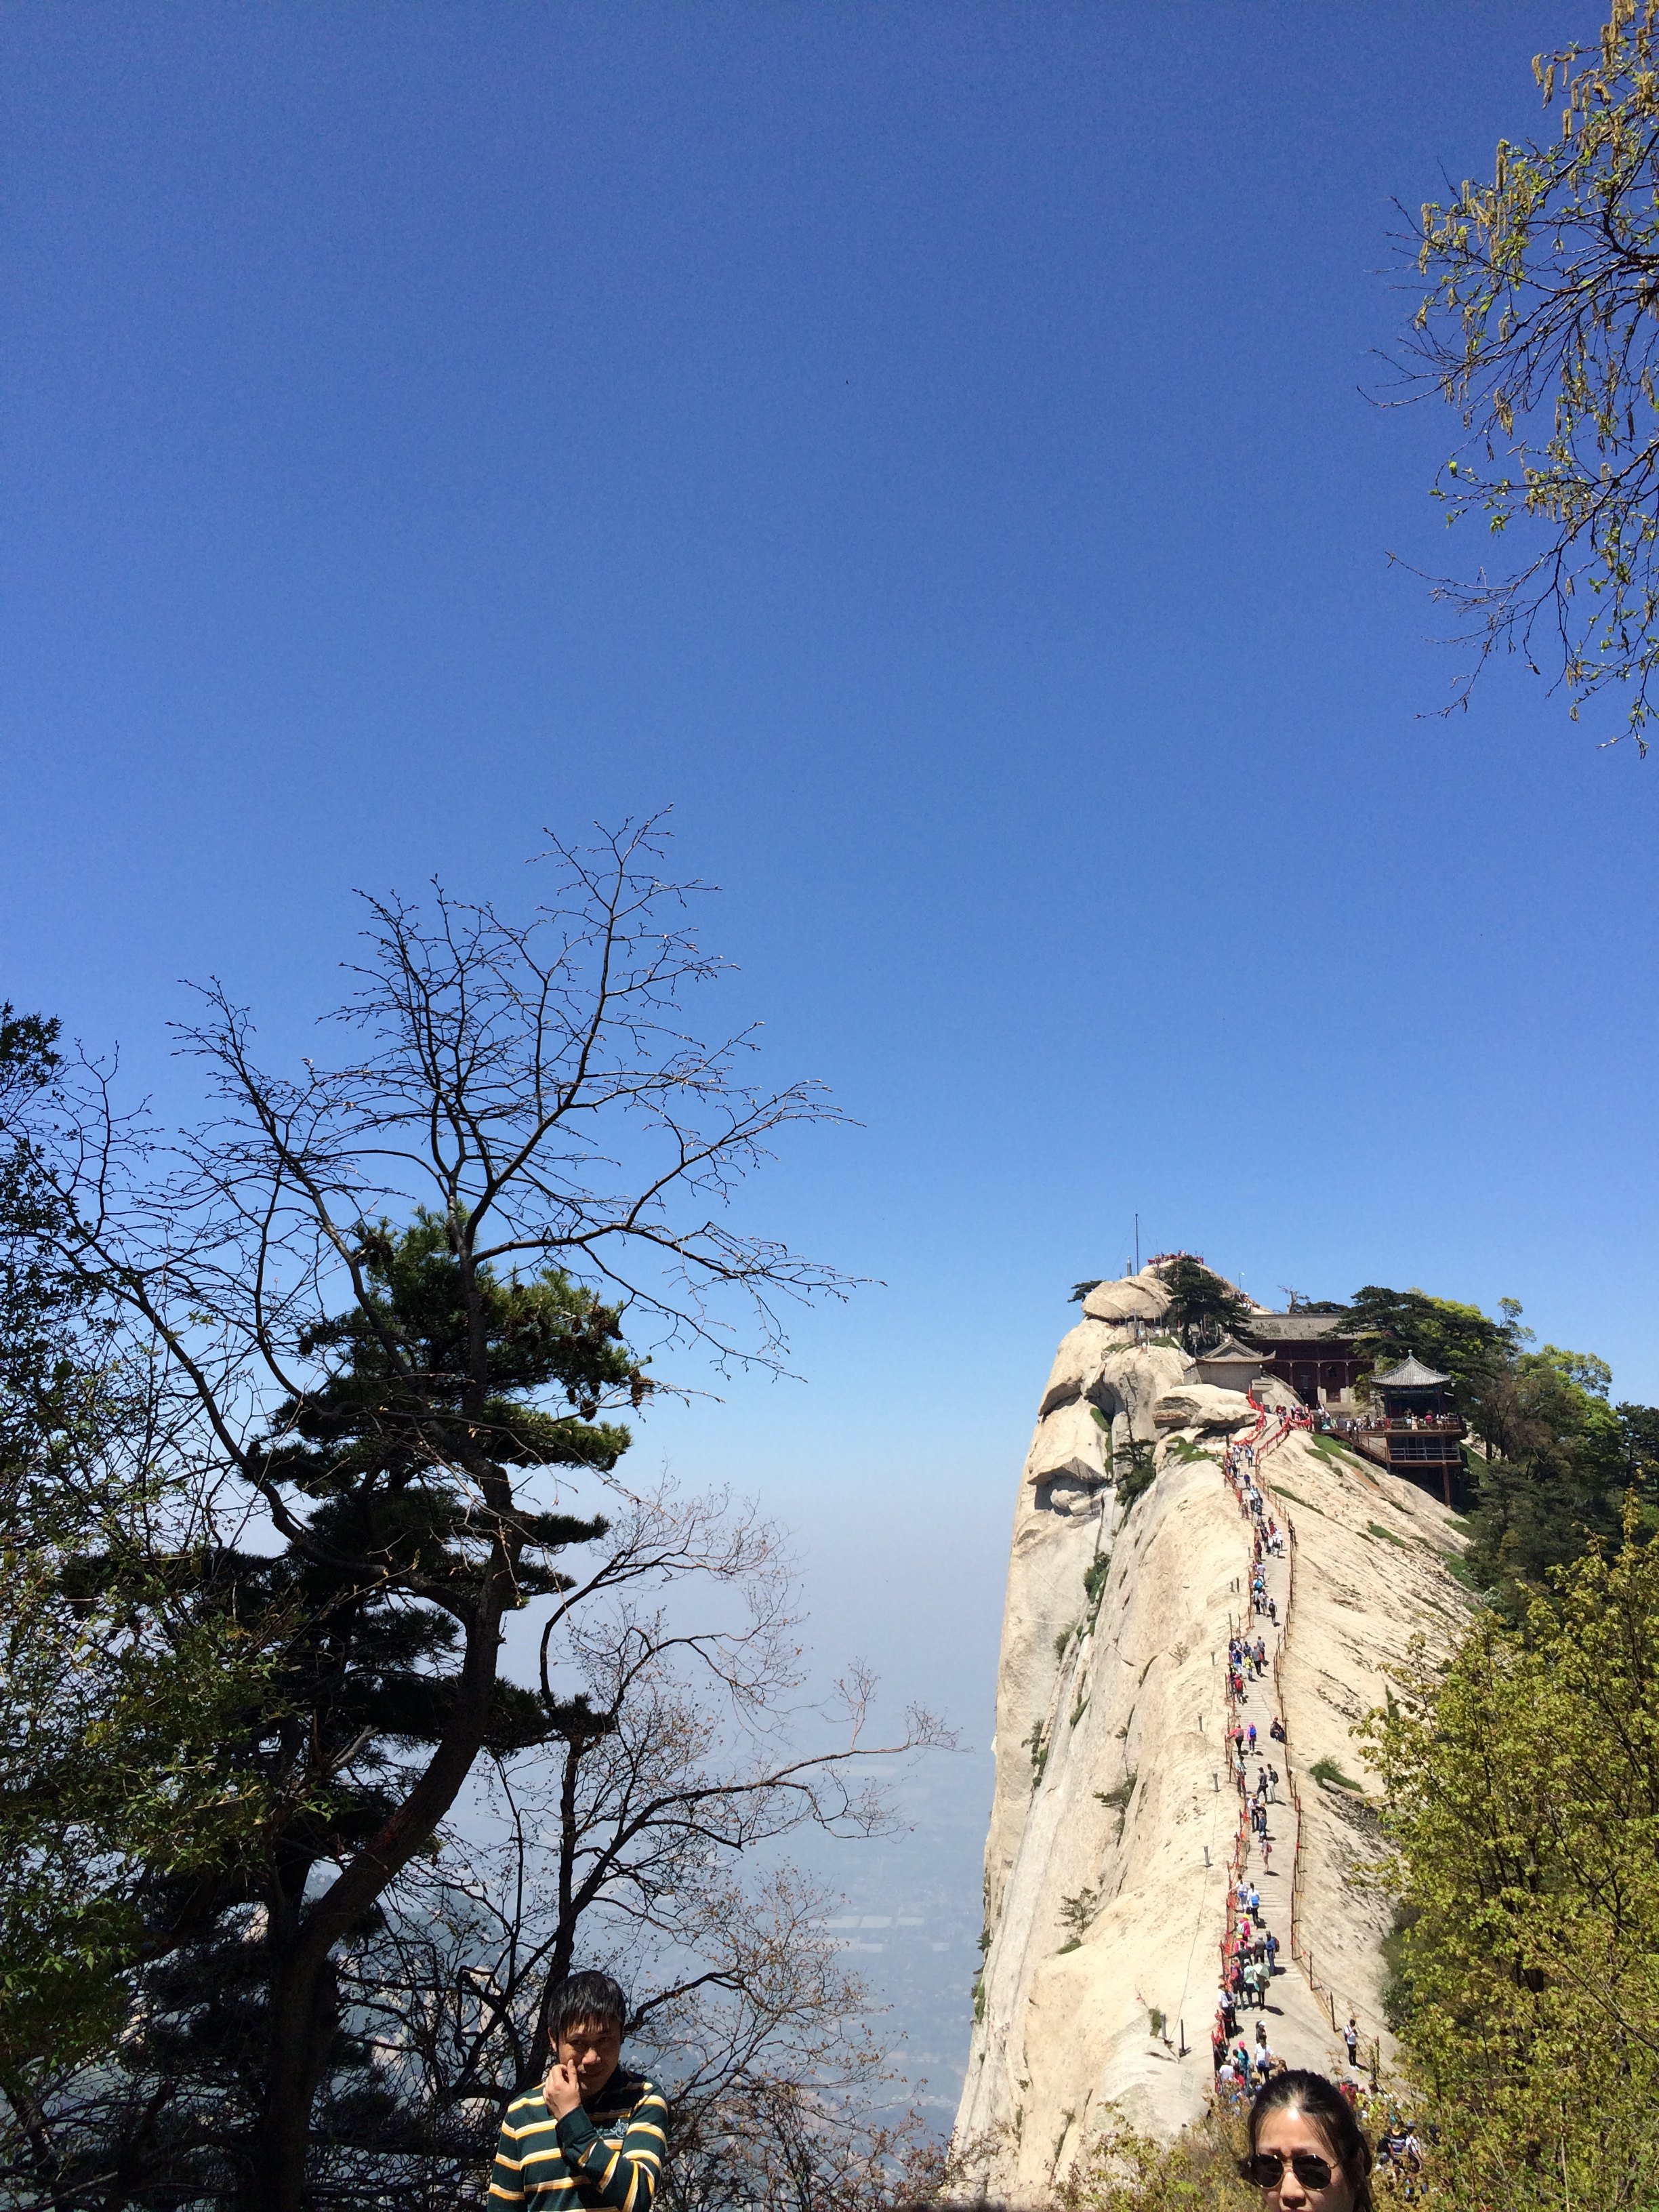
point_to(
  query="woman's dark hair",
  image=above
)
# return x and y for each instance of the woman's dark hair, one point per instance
(1324, 2104)
(582, 1999)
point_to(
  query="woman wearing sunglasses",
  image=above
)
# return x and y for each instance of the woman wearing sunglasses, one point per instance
(1307, 2154)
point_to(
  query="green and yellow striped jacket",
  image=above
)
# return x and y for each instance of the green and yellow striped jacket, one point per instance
(606, 2152)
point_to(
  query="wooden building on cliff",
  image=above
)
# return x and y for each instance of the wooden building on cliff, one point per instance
(1310, 1351)
(1408, 1425)
(1412, 1418)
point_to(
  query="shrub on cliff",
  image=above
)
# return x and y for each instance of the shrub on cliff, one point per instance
(1126, 2171)
(1136, 1469)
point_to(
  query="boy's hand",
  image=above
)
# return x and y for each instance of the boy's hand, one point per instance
(561, 2092)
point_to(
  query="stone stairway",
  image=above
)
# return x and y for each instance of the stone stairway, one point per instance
(1299, 2025)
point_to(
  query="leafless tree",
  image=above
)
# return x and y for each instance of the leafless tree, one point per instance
(631, 1848)
(532, 1089)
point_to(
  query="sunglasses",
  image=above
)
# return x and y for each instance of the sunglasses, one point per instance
(1266, 2169)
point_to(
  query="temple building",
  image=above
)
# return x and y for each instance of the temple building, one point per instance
(1230, 1365)
(1310, 1350)
(1412, 1417)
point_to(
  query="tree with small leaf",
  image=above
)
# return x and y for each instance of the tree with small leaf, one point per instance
(1540, 328)
(1522, 1787)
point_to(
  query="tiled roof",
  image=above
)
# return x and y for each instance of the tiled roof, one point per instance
(1296, 1327)
(1228, 1352)
(1410, 1374)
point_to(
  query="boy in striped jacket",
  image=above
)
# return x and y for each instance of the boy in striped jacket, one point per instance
(594, 2133)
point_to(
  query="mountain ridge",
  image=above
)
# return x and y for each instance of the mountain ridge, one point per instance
(1116, 1814)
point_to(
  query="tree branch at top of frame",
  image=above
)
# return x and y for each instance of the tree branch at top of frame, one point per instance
(1541, 327)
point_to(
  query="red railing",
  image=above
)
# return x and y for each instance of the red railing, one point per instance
(1258, 1442)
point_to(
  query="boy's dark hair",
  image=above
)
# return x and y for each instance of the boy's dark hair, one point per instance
(585, 1997)
(1324, 2104)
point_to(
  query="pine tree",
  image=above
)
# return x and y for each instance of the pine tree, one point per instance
(1203, 1307)
(382, 1462)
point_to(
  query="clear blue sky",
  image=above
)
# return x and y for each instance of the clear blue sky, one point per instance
(926, 444)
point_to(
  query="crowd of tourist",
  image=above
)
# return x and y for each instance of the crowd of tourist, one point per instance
(1351, 1425)
(1246, 2063)
(1250, 1948)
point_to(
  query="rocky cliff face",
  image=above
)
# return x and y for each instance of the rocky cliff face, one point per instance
(1115, 1817)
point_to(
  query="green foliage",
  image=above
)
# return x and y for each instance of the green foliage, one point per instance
(1202, 1307)
(1094, 1580)
(113, 1779)
(400, 1412)
(1136, 1470)
(117, 1690)
(1538, 327)
(1329, 1448)
(1329, 1775)
(1387, 1326)
(1076, 1912)
(190, 1729)
(1396, 1964)
(384, 1445)
(1562, 1464)
(1457, 1566)
(1124, 2171)
(1582, 1369)
(1117, 1799)
(1559, 1462)
(1523, 1811)
(1184, 1451)
(1385, 1535)
(1037, 1744)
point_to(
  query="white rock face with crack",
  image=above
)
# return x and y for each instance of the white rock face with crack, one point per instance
(1111, 1782)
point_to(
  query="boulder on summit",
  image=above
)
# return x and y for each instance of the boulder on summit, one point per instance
(1133, 1297)
(1203, 1406)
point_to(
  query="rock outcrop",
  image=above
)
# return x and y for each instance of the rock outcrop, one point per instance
(1114, 1815)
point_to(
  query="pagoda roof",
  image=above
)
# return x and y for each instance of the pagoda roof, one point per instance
(1410, 1374)
(1228, 1352)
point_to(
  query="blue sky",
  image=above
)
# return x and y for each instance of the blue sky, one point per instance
(927, 447)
